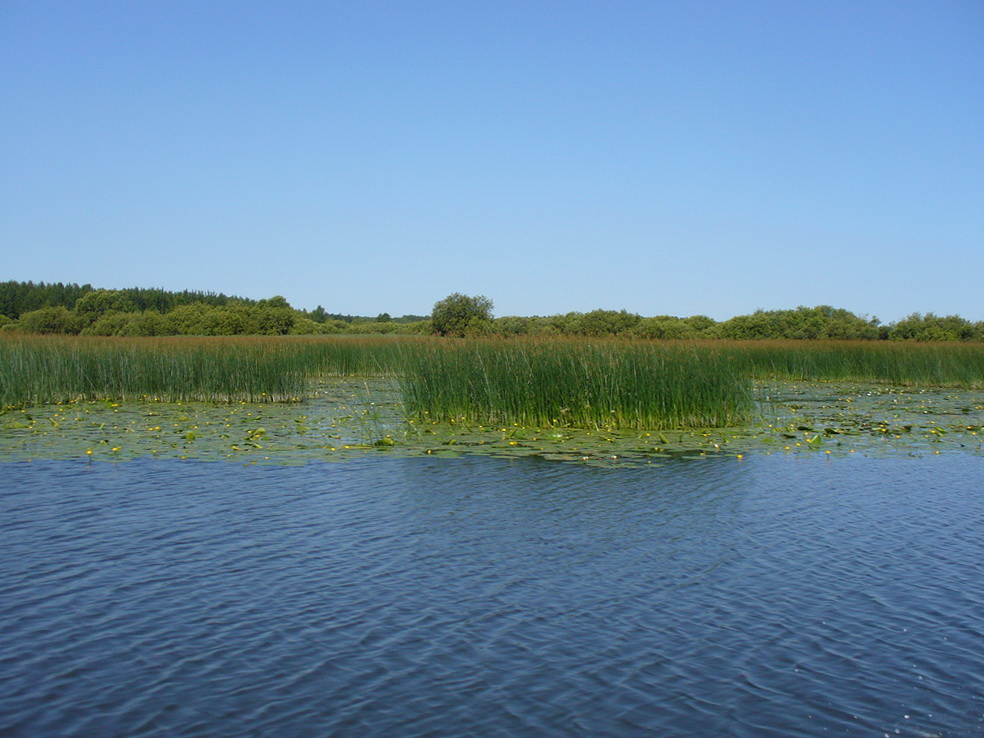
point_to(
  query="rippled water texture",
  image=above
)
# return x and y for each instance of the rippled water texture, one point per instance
(476, 596)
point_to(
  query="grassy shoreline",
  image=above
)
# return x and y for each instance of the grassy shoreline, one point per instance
(576, 383)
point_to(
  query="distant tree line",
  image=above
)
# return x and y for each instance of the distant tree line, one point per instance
(821, 322)
(17, 298)
(73, 309)
(460, 315)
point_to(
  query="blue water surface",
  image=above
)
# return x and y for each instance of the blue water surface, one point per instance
(773, 596)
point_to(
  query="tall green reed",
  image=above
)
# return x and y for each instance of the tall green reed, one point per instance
(927, 364)
(571, 382)
(41, 370)
(610, 384)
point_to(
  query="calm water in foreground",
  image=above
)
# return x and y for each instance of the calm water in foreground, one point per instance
(777, 595)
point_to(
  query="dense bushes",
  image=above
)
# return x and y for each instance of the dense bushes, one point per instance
(931, 327)
(815, 323)
(70, 309)
(49, 320)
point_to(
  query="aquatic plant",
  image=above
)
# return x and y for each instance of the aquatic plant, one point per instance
(901, 363)
(608, 383)
(587, 383)
(39, 370)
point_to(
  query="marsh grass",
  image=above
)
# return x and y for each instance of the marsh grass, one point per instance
(40, 370)
(603, 384)
(355, 356)
(892, 362)
(577, 383)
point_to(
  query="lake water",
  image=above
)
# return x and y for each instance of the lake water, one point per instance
(775, 595)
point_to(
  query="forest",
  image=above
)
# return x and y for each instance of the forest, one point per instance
(73, 309)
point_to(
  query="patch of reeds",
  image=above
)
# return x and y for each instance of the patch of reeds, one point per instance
(38, 370)
(41, 369)
(893, 362)
(568, 382)
(611, 384)
(351, 356)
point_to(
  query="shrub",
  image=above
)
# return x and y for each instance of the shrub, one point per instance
(930, 327)
(453, 315)
(50, 320)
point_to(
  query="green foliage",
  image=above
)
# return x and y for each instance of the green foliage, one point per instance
(459, 315)
(273, 321)
(277, 301)
(664, 328)
(233, 320)
(369, 328)
(93, 305)
(414, 328)
(72, 308)
(50, 320)
(601, 323)
(110, 324)
(147, 323)
(334, 326)
(930, 327)
(17, 298)
(512, 326)
(391, 328)
(307, 327)
(702, 325)
(817, 323)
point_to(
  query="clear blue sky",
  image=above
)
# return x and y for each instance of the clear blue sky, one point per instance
(666, 157)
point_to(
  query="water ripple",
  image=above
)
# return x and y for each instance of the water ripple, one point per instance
(485, 597)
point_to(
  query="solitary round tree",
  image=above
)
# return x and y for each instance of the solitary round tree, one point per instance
(459, 315)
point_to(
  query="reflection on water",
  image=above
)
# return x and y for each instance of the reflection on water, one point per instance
(477, 596)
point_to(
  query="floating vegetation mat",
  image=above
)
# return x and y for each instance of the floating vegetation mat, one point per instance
(343, 419)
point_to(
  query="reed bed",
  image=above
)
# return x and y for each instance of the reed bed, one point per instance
(351, 356)
(42, 369)
(39, 370)
(894, 362)
(570, 382)
(610, 384)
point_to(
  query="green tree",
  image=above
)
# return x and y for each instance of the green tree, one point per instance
(108, 324)
(50, 320)
(17, 298)
(273, 321)
(147, 323)
(277, 301)
(931, 327)
(663, 327)
(605, 322)
(458, 314)
(93, 305)
(306, 327)
(187, 320)
(513, 325)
